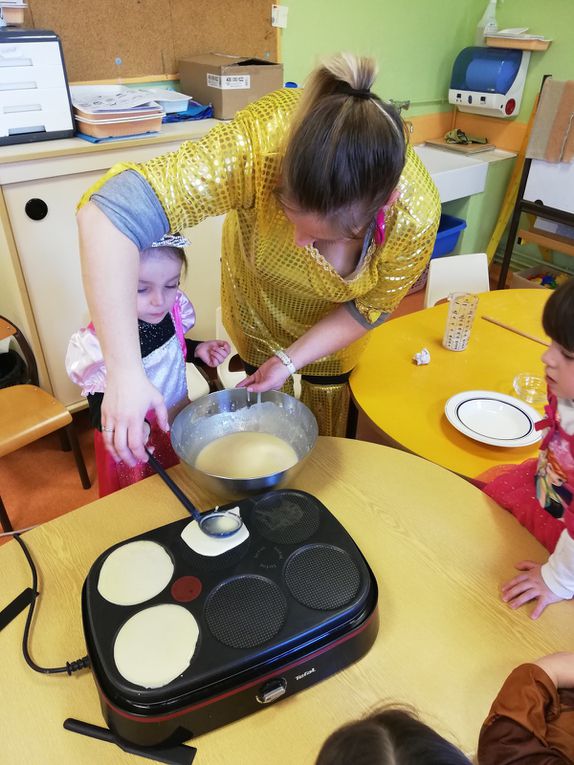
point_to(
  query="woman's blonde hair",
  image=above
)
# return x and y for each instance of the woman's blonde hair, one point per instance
(346, 145)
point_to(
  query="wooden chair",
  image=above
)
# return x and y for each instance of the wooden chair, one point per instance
(7, 329)
(28, 413)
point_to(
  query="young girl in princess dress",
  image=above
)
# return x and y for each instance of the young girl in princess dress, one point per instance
(164, 316)
(539, 492)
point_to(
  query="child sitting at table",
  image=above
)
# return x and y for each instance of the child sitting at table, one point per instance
(390, 736)
(532, 718)
(539, 492)
(164, 316)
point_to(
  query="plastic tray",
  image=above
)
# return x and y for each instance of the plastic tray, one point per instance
(111, 128)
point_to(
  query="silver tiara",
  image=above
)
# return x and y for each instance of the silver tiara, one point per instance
(171, 240)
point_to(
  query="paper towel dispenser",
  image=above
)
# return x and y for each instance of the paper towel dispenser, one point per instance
(489, 81)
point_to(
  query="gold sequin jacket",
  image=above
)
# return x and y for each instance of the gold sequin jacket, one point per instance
(272, 290)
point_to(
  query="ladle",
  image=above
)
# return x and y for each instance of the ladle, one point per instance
(219, 523)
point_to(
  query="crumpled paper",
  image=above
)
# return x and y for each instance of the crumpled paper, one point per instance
(422, 357)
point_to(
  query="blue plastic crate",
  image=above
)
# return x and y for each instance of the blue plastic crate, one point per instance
(449, 230)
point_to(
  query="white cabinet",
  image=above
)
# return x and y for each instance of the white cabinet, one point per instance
(40, 199)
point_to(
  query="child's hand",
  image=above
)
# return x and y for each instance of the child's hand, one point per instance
(528, 586)
(271, 375)
(213, 352)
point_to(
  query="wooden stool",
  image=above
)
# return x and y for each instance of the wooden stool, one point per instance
(28, 413)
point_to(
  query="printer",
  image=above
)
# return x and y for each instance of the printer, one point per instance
(34, 97)
(489, 81)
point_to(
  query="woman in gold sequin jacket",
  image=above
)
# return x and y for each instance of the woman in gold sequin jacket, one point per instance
(330, 218)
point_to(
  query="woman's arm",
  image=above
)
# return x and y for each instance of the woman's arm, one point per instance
(337, 330)
(110, 263)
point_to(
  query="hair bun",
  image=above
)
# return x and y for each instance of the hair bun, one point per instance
(347, 90)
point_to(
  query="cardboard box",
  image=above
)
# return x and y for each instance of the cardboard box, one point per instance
(520, 279)
(228, 82)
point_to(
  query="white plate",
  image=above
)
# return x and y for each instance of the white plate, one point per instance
(493, 418)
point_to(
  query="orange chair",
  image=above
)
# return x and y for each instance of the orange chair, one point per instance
(28, 413)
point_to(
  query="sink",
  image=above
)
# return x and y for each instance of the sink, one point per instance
(455, 175)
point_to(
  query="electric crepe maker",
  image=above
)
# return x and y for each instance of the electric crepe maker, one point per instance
(290, 605)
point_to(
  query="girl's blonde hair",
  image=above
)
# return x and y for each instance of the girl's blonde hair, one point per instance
(346, 145)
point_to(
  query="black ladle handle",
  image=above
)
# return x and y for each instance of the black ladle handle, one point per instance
(185, 501)
(176, 755)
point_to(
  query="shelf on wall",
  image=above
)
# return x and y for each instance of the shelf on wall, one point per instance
(520, 44)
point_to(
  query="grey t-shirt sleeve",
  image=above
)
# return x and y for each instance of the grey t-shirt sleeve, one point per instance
(130, 203)
(358, 316)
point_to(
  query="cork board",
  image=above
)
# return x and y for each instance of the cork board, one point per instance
(111, 39)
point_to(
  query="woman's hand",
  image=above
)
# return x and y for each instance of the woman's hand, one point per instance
(213, 352)
(529, 586)
(127, 400)
(271, 375)
(335, 331)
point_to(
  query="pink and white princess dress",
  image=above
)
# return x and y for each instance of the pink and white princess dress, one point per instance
(164, 352)
(540, 492)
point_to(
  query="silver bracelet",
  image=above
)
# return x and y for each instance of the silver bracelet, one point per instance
(285, 359)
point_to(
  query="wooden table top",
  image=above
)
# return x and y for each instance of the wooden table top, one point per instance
(439, 550)
(406, 401)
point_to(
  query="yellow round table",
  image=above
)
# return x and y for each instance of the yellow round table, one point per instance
(439, 549)
(406, 402)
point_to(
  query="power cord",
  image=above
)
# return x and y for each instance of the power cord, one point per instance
(71, 667)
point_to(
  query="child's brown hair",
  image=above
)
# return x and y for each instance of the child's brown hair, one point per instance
(558, 316)
(390, 736)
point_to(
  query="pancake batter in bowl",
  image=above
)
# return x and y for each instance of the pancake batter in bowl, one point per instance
(246, 454)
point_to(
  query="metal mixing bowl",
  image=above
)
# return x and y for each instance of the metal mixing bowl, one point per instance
(234, 410)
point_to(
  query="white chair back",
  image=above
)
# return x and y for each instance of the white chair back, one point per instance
(456, 273)
(197, 385)
(230, 379)
(227, 378)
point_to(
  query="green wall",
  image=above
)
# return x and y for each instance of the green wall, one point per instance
(416, 43)
(555, 20)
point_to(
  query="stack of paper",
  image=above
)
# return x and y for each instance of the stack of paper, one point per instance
(515, 36)
(515, 33)
(112, 100)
